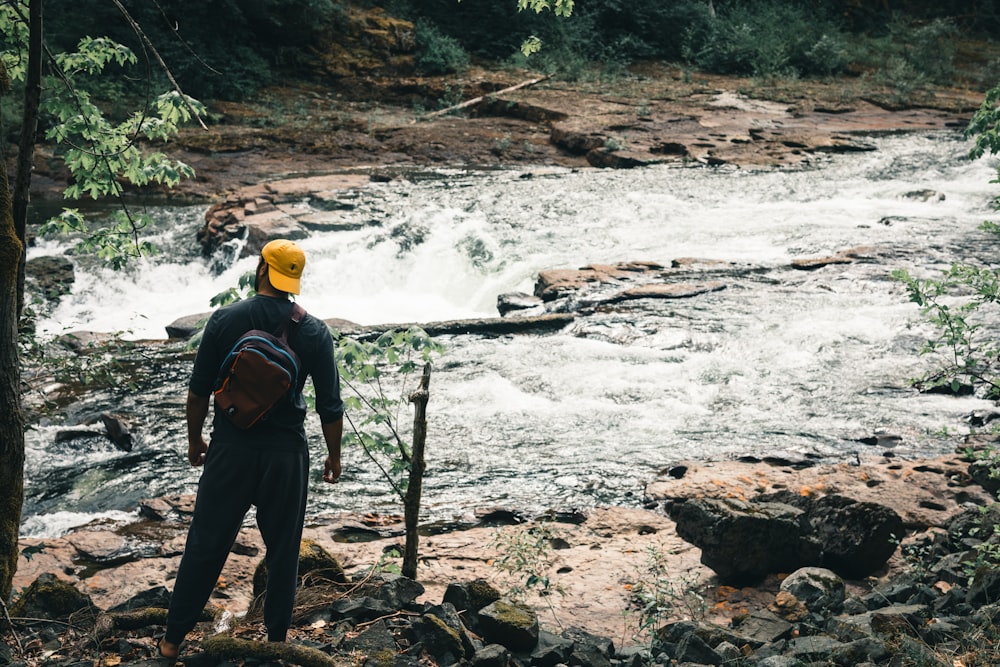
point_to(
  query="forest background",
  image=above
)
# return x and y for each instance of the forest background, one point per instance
(229, 50)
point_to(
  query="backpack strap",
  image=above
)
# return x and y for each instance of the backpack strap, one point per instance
(295, 317)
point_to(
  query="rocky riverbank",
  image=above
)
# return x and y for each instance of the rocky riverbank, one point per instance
(599, 565)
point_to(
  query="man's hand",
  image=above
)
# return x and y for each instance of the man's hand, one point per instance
(197, 449)
(331, 469)
(196, 412)
(332, 433)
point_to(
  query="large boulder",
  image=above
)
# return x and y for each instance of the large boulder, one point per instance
(742, 541)
(856, 538)
(510, 624)
(316, 566)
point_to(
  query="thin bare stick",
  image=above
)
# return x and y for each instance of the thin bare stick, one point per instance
(477, 100)
(163, 65)
(175, 28)
(10, 624)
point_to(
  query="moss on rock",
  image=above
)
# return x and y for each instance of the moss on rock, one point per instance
(316, 566)
(49, 597)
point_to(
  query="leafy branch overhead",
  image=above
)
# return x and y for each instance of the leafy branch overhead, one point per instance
(564, 8)
(102, 153)
(558, 7)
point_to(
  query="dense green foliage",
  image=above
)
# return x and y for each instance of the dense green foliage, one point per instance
(438, 53)
(773, 37)
(219, 49)
(761, 38)
(228, 49)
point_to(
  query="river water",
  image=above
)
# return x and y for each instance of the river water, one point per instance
(782, 362)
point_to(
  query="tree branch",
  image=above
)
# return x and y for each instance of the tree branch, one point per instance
(166, 70)
(477, 100)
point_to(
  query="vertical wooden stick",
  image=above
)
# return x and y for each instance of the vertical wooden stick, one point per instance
(411, 503)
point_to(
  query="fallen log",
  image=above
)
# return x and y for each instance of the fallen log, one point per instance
(477, 100)
(485, 326)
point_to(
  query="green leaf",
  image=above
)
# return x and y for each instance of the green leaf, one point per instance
(531, 46)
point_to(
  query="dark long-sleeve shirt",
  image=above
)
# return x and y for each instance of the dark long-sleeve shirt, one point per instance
(284, 427)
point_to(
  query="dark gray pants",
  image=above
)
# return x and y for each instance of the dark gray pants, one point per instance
(236, 477)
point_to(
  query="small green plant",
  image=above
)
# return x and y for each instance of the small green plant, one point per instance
(990, 455)
(438, 53)
(987, 559)
(966, 351)
(501, 144)
(612, 144)
(525, 556)
(659, 595)
(918, 556)
(453, 96)
(387, 562)
(377, 373)
(957, 304)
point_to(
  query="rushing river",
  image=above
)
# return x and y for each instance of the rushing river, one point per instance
(782, 361)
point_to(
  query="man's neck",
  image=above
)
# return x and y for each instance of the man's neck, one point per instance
(267, 290)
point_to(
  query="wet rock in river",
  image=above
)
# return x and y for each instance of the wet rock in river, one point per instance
(186, 326)
(51, 276)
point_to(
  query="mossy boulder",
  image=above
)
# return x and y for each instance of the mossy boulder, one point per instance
(49, 597)
(316, 566)
(482, 593)
(443, 642)
(510, 624)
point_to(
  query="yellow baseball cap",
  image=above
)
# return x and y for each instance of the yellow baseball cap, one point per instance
(286, 261)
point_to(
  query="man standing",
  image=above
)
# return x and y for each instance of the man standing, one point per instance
(266, 465)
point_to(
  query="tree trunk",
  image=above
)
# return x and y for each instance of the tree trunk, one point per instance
(11, 418)
(26, 145)
(411, 503)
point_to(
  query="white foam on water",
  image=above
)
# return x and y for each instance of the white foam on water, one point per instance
(780, 359)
